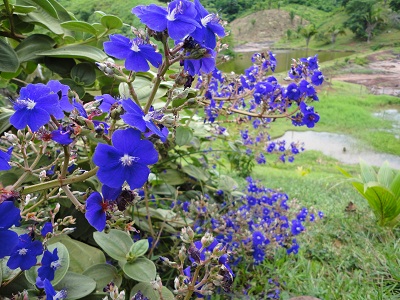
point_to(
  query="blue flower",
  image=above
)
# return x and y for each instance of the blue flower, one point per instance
(97, 206)
(179, 18)
(297, 227)
(50, 263)
(9, 216)
(135, 117)
(293, 92)
(106, 102)
(206, 64)
(24, 253)
(309, 116)
(210, 27)
(4, 159)
(47, 228)
(51, 293)
(317, 78)
(62, 91)
(135, 52)
(62, 135)
(34, 107)
(258, 238)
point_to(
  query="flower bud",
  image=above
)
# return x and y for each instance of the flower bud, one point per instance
(12, 138)
(182, 254)
(207, 239)
(187, 235)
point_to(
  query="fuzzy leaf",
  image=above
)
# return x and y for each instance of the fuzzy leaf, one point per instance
(116, 243)
(142, 269)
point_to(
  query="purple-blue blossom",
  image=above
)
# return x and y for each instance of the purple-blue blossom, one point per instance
(136, 52)
(50, 263)
(5, 159)
(24, 255)
(35, 105)
(126, 160)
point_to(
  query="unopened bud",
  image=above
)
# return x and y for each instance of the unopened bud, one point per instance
(207, 239)
(57, 208)
(187, 235)
(12, 138)
(182, 254)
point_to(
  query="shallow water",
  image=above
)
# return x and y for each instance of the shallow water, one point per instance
(341, 147)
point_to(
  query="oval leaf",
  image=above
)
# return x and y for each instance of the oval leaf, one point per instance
(79, 26)
(147, 290)
(22, 9)
(111, 22)
(195, 172)
(103, 274)
(77, 51)
(142, 270)
(83, 73)
(76, 285)
(8, 58)
(82, 256)
(139, 248)
(183, 135)
(33, 44)
(116, 243)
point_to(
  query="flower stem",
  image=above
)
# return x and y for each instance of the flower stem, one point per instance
(59, 182)
(73, 199)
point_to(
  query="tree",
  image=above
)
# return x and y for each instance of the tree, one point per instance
(364, 17)
(308, 32)
(334, 31)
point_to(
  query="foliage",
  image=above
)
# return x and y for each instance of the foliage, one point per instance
(113, 164)
(382, 191)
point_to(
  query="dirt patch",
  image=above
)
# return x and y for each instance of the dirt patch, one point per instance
(383, 74)
(262, 28)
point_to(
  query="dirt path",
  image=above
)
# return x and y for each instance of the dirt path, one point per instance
(385, 75)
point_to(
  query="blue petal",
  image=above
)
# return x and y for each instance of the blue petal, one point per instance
(94, 211)
(49, 290)
(34, 91)
(179, 29)
(9, 215)
(151, 55)
(136, 62)
(119, 46)
(146, 152)
(126, 140)
(113, 177)
(136, 175)
(50, 103)
(8, 241)
(152, 15)
(110, 193)
(106, 155)
(34, 118)
(134, 115)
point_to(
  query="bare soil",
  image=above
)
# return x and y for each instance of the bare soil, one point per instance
(262, 28)
(383, 76)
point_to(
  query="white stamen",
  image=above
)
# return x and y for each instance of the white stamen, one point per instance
(127, 160)
(147, 117)
(55, 264)
(22, 251)
(135, 47)
(207, 19)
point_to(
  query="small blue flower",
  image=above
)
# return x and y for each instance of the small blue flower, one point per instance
(297, 227)
(50, 263)
(179, 18)
(97, 206)
(51, 293)
(34, 107)
(293, 91)
(317, 78)
(210, 27)
(106, 102)
(9, 216)
(126, 160)
(136, 52)
(62, 91)
(205, 64)
(62, 135)
(135, 117)
(47, 228)
(5, 158)
(24, 254)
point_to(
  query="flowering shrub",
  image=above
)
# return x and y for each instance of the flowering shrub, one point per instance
(163, 210)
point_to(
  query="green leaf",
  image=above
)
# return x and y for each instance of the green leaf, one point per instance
(195, 172)
(385, 174)
(183, 135)
(367, 172)
(139, 248)
(147, 290)
(82, 255)
(80, 90)
(76, 285)
(22, 9)
(227, 184)
(116, 243)
(45, 15)
(171, 176)
(142, 269)
(61, 66)
(84, 73)
(103, 274)
(59, 274)
(395, 186)
(77, 51)
(111, 22)
(8, 58)
(29, 47)
(5, 121)
(79, 26)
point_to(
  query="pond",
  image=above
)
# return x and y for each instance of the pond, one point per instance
(341, 147)
(284, 58)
